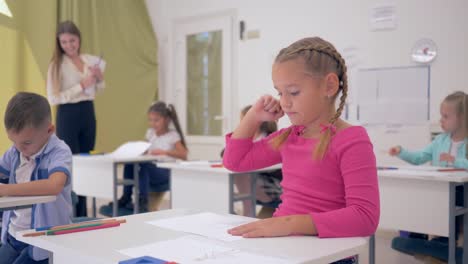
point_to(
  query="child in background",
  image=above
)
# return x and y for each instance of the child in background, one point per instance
(448, 149)
(164, 141)
(37, 164)
(268, 187)
(329, 170)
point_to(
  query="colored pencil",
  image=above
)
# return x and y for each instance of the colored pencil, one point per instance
(387, 168)
(452, 169)
(45, 228)
(84, 226)
(63, 232)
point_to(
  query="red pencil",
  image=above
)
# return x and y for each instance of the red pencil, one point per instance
(452, 169)
(62, 232)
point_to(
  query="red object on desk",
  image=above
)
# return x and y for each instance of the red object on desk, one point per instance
(217, 165)
(452, 169)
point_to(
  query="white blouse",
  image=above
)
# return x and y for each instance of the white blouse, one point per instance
(166, 141)
(70, 88)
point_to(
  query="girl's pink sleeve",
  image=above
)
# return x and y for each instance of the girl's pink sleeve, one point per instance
(361, 215)
(245, 155)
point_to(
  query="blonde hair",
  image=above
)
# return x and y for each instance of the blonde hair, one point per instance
(320, 57)
(57, 57)
(460, 101)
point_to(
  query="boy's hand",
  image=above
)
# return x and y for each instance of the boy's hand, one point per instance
(447, 157)
(266, 108)
(394, 151)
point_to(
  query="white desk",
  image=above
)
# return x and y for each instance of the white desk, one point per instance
(199, 186)
(96, 176)
(424, 202)
(100, 246)
(20, 202)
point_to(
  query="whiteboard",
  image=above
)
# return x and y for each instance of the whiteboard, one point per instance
(397, 95)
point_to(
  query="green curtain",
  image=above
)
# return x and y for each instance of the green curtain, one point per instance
(26, 43)
(120, 30)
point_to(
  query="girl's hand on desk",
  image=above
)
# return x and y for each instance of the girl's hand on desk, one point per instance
(446, 157)
(276, 227)
(158, 152)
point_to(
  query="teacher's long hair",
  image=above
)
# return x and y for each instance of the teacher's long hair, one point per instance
(57, 58)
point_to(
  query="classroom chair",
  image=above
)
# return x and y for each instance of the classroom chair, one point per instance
(75, 219)
(436, 248)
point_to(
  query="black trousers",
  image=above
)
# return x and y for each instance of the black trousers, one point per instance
(76, 125)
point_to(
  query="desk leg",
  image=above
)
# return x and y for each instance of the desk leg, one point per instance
(231, 193)
(253, 193)
(136, 186)
(114, 204)
(372, 249)
(465, 224)
(94, 207)
(451, 239)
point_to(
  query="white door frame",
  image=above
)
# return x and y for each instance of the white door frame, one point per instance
(176, 90)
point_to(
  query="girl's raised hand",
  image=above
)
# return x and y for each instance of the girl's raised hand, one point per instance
(266, 108)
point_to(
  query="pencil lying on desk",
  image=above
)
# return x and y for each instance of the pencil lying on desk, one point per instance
(68, 231)
(452, 169)
(72, 229)
(45, 228)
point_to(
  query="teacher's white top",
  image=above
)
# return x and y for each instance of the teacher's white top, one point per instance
(70, 88)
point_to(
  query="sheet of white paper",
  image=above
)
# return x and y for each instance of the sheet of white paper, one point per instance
(130, 150)
(191, 249)
(205, 224)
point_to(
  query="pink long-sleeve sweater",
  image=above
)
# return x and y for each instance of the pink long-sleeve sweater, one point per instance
(340, 192)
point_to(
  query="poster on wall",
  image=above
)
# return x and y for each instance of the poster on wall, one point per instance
(383, 17)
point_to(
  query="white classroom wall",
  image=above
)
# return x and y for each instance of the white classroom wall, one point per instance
(344, 23)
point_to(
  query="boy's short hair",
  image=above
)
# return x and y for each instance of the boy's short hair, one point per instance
(27, 110)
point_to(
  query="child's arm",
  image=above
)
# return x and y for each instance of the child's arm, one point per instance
(241, 154)
(461, 163)
(51, 186)
(265, 109)
(179, 152)
(277, 226)
(5, 163)
(417, 157)
(360, 216)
